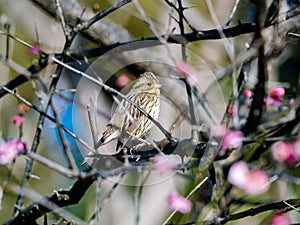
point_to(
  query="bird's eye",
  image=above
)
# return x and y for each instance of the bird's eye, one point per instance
(149, 84)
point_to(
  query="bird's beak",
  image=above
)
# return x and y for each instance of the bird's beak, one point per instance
(158, 86)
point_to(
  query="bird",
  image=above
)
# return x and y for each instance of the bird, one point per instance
(128, 123)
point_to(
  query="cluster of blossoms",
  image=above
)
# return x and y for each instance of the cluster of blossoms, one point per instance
(287, 152)
(252, 182)
(275, 95)
(239, 173)
(10, 149)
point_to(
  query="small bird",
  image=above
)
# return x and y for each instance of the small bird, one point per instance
(128, 124)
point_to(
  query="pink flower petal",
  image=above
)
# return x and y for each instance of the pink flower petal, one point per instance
(164, 163)
(184, 67)
(18, 145)
(277, 93)
(237, 174)
(296, 146)
(253, 182)
(231, 110)
(18, 120)
(283, 151)
(257, 182)
(272, 101)
(7, 155)
(218, 131)
(233, 139)
(188, 71)
(123, 80)
(280, 219)
(248, 93)
(10, 150)
(179, 203)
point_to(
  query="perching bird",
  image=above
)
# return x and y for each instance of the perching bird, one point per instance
(128, 123)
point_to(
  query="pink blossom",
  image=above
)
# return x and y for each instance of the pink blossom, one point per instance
(296, 146)
(257, 182)
(291, 100)
(188, 71)
(35, 49)
(275, 96)
(233, 139)
(252, 182)
(237, 174)
(10, 150)
(179, 203)
(164, 163)
(122, 80)
(283, 151)
(18, 120)
(18, 144)
(280, 219)
(277, 93)
(219, 130)
(248, 93)
(184, 67)
(231, 110)
(272, 101)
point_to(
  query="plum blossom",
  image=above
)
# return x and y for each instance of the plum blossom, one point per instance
(259, 182)
(275, 96)
(18, 120)
(188, 71)
(277, 93)
(184, 67)
(11, 149)
(218, 131)
(179, 203)
(164, 163)
(252, 182)
(238, 173)
(280, 219)
(233, 139)
(296, 146)
(248, 93)
(122, 80)
(286, 152)
(232, 110)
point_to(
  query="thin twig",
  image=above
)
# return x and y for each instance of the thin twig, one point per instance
(86, 24)
(233, 11)
(53, 165)
(62, 20)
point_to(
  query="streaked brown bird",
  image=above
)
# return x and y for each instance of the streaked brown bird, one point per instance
(128, 123)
